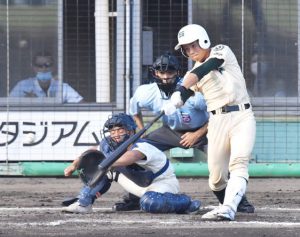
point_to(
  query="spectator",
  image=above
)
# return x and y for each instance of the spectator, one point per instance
(44, 84)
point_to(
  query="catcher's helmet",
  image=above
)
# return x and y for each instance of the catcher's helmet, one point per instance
(191, 33)
(118, 120)
(166, 63)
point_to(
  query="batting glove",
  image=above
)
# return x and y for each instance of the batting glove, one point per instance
(176, 99)
(169, 109)
(184, 94)
(180, 96)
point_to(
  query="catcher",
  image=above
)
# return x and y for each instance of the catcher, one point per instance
(143, 170)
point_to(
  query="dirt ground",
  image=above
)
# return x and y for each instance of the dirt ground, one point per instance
(32, 207)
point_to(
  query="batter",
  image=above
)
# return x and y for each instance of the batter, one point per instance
(231, 129)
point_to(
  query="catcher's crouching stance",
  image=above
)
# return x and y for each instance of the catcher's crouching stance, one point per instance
(143, 170)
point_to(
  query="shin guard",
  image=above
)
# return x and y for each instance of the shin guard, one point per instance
(155, 202)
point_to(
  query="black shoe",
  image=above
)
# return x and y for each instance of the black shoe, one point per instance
(126, 206)
(69, 201)
(245, 206)
(129, 203)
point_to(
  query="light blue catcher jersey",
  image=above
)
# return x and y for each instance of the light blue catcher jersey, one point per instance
(191, 115)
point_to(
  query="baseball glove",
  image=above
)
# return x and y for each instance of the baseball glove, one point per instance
(88, 163)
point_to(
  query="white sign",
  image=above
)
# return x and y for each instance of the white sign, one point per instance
(56, 135)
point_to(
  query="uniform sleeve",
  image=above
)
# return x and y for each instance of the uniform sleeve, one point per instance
(134, 107)
(144, 98)
(145, 148)
(221, 52)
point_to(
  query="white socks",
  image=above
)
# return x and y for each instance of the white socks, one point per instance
(235, 190)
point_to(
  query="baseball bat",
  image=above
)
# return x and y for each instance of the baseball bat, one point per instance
(106, 163)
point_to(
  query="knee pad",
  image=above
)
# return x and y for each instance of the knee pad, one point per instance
(155, 202)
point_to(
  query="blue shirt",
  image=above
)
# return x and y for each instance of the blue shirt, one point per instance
(31, 86)
(192, 115)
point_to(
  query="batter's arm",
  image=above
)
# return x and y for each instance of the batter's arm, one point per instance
(199, 72)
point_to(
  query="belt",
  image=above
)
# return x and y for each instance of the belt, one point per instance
(231, 108)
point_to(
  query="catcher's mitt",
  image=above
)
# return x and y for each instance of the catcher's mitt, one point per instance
(88, 163)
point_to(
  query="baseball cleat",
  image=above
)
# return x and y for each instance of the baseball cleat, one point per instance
(77, 208)
(221, 213)
(226, 215)
(245, 206)
(126, 206)
(211, 215)
(130, 202)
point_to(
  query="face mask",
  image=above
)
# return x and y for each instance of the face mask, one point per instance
(44, 76)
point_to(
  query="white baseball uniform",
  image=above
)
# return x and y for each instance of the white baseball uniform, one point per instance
(155, 161)
(231, 134)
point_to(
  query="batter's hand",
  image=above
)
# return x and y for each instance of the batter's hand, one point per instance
(181, 95)
(176, 99)
(169, 109)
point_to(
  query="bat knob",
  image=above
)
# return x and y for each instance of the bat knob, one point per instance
(100, 172)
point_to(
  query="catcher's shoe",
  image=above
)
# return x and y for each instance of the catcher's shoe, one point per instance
(130, 205)
(245, 206)
(76, 208)
(130, 202)
(221, 213)
(193, 207)
(69, 201)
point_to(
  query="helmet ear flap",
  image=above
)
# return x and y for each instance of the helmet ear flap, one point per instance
(204, 41)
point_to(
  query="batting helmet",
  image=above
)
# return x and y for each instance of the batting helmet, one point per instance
(118, 120)
(191, 33)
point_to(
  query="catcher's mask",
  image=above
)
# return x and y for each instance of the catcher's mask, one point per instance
(166, 63)
(120, 120)
(88, 164)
